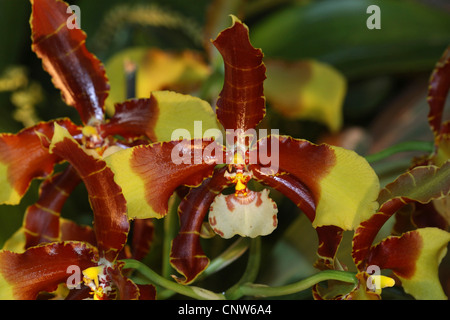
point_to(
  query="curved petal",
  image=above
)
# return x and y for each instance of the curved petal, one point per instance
(421, 184)
(241, 104)
(414, 258)
(187, 255)
(105, 196)
(160, 115)
(42, 219)
(329, 236)
(24, 275)
(127, 289)
(74, 70)
(22, 158)
(148, 175)
(342, 183)
(143, 231)
(437, 92)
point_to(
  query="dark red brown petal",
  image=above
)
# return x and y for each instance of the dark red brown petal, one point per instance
(187, 255)
(105, 196)
(241, 104)
(329, 236)
(143, 232)
(74, 70)
(437, 92)
(290, 186)
(421, 184)
(134, 118)
(22, 158)
(149, 175)
(42, 219)
(398, 254)
(71, 231)
(426, 215)
(42, 268)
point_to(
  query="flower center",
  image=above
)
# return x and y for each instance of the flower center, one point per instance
(98, 280)
(91, 138)
(240, 178)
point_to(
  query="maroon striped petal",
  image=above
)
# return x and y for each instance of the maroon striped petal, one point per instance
(241, 104)
(24, 275)
(74, 70)
(23, 158)
(187, 255)
(437, 92)
(133, 118)
(42, 219)
(329, 236)
(421, 184)
(149, 175)
(105, 196)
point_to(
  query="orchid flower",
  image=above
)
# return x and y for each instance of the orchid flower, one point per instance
(305, 89)
(413, 256)
(436, 212)
(44, 267)
(32, 153)
(334, 187)
(83, 83)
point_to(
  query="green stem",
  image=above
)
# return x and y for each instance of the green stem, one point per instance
(258, 290)
(156, 279)
(251, 271)
(244, 287)
(233, 252)
(401, 147)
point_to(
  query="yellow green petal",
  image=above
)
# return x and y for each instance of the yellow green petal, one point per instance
(306, 89)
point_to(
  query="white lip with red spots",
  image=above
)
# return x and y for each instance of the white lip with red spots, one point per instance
(252, 215)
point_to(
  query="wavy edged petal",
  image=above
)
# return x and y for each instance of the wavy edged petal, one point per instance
(74, 70)
(23, 158)
(342, 184)
(148, 175)
(105, 196)
(329, 236)
(241, 103)
(159, 116)
(187, 255)
(42, 219)
(414, 257)
(421, 184)
(127, 289)
(437, 92)
(41, 268)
